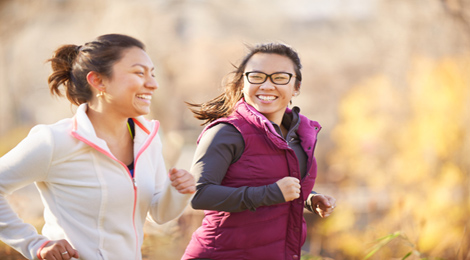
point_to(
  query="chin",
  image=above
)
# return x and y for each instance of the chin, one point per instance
(142, 111)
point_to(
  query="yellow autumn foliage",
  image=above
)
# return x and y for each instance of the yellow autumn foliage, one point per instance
(409, 142)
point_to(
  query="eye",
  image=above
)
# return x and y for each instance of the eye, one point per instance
(256, 76)
(281, 76)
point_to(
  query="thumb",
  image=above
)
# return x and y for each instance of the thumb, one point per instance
(325, 201)
(75, 254)
(322, 201)
(172, 171)
(173, 174)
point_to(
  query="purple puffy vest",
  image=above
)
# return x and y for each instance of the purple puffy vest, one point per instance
(271, 232)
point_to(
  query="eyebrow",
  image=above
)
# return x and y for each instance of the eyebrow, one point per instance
(144, 66)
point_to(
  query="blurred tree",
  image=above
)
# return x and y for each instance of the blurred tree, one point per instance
(413, 146)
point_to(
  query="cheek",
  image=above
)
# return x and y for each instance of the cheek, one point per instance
(292, 89)
(249, 89)
(246, 89)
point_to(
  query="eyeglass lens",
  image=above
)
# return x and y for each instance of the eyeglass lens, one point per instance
(280, 78)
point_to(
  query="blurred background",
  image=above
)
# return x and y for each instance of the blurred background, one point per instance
(389, 80)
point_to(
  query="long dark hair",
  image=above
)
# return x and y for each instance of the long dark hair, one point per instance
(223, 105)
(71, 64)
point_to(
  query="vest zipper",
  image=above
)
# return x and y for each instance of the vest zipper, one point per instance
(292, 139)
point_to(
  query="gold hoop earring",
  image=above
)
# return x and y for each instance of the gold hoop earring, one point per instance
(100, 95)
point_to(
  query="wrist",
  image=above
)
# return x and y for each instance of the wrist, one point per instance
(40, 249)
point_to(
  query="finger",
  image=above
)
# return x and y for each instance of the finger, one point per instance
(71, 252)
(185, 179)
(53, 256)
(65, 255)
(319, 210)
(65, 250)
(189, 190)
(181, 186)
(175, 183)
(184, 176)
(172, 173)
(332, 201)
(324, 200)
(59, 252)
(295, 180)
(54, 252)
(291, 179)
(74, 253)
(296, 194)
(187, 185)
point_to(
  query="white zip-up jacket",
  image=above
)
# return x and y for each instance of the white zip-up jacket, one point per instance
(90, 198)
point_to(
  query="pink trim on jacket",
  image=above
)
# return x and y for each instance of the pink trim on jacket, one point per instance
(40, 249)
(96, 147)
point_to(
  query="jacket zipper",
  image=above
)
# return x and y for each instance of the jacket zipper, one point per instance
(133, 180)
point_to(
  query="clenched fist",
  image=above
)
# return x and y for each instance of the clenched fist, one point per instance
(58, 250)
(182, 180)
(290, 188)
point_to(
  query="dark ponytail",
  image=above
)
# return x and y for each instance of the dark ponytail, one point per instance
(71, 64)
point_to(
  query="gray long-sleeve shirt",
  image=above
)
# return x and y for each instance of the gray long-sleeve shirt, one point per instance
(222, 145)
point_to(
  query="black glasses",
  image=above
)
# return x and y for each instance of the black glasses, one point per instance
(278, 78)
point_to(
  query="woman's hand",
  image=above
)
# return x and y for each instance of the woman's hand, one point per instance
(323, 204)
(290, 188)
(182, 180)
(58, 250)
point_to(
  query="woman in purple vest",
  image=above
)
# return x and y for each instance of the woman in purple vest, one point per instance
(255, 163)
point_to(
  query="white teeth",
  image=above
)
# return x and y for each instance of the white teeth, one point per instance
(148, 97)
(267, 98)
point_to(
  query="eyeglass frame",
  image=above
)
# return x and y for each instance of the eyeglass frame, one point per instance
(269, 76)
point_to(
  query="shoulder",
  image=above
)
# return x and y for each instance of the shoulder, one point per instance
(309, 123)
(41, 145)
(221, 141)
(221, 132)
(57, 131)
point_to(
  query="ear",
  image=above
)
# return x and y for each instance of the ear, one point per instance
(296, 89)
(95, 80)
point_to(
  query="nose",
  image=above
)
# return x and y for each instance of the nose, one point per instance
(151, 83)
(267, 85)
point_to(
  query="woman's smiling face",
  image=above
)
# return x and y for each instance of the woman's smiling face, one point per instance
(268, 98)
(130, 88)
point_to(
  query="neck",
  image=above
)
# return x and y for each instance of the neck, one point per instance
(277, 119)
(107, 125)
(283, 130)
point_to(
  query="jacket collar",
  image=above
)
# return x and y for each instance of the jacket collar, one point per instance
(83, 128)
(261, 119)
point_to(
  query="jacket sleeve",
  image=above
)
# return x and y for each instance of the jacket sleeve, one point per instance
(219, 147)
(28, 162)
(167, 202)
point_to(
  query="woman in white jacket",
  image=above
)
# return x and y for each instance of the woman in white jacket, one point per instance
(101, 172)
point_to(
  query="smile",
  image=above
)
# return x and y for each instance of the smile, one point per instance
(147, 97)
(266, 98)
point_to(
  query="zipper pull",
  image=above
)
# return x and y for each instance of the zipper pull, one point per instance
(292, 139)
(134, 182)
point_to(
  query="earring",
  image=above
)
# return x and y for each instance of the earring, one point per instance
(296, 93)
(100, 95)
